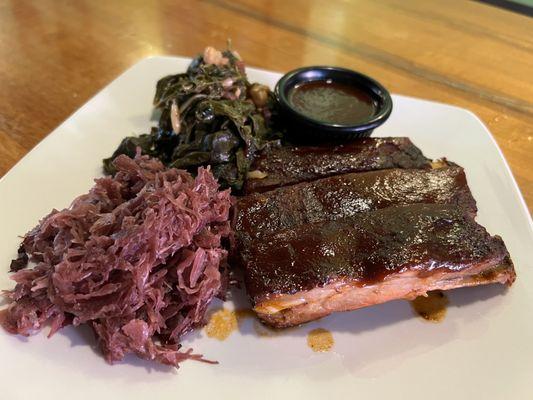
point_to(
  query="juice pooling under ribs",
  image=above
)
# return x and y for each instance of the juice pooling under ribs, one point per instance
(283, 166)
(346, 195)
(309, 271)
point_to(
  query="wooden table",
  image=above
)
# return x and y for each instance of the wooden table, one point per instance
(55, 55)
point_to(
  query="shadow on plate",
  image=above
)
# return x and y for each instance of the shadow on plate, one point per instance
(374, 317)
(366, 340)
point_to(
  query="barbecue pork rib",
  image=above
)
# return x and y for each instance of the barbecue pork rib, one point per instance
(282, 166)
(346, 195)
(309, 271)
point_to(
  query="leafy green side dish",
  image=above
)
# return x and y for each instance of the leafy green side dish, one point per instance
(210, 115)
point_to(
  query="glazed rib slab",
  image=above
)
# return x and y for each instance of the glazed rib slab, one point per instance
(283, 166)
(346, 195)
(309, 271)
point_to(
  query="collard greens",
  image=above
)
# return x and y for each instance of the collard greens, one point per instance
(210, 115)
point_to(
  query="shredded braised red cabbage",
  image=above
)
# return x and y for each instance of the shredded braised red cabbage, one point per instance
(138, 258)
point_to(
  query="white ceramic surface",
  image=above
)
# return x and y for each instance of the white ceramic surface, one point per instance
(483, 349)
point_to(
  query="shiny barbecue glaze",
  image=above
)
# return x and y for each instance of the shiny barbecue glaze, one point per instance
(347, 195)
(333, 102)
(365, 249)
(289, 165)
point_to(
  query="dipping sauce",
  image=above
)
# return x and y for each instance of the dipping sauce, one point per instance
(320, 340)
(431, 308)
(332, 102)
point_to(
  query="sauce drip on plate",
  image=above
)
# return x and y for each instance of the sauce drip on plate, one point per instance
(221, 324)
(333, 102)
(431, 308)
(320, 340)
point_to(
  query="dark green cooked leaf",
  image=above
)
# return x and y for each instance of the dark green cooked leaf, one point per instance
(219, 125)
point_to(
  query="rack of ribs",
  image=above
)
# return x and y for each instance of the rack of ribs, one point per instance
(282, 166)
(308, 271)
(346, 195)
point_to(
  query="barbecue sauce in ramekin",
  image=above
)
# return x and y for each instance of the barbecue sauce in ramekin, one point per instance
(320, 104)
(332, 102)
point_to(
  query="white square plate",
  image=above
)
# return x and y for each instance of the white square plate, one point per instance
(483, 348)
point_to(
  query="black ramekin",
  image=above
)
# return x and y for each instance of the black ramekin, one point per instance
(303, 128)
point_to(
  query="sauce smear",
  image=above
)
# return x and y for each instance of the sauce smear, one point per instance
(221, 324)
(431, 308)
(320, 340)
(333, 102)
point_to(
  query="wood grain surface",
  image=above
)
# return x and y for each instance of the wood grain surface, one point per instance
(55, 55)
